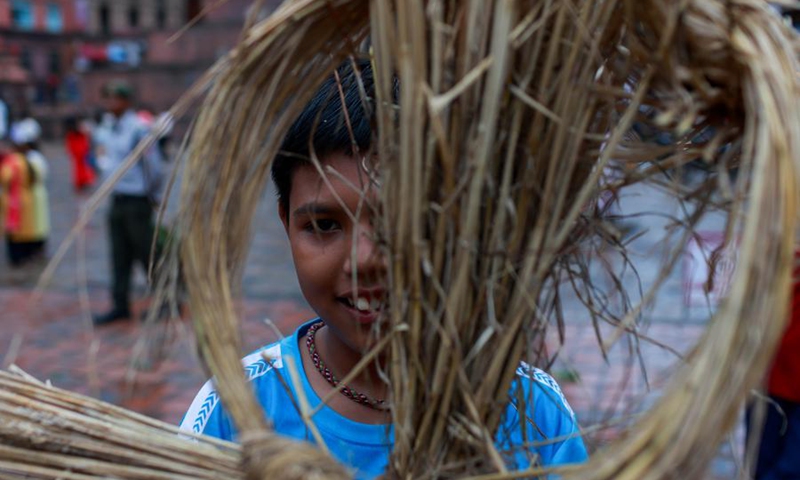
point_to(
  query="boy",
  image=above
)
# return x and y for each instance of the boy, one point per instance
(342, 276)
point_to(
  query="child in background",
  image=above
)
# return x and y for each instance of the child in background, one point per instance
(78, 144)
(324, 233)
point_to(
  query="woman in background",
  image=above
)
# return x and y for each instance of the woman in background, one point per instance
(24, 203)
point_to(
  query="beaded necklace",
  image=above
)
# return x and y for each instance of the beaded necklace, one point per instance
(348, 392)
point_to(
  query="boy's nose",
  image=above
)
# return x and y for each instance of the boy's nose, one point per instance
(366, 261)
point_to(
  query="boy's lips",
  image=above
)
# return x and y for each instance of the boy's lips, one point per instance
(364, 304)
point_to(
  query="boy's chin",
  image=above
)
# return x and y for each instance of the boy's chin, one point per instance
(363, 337)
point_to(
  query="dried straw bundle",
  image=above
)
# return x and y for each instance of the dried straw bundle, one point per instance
(509, 112)
(51, 433)
(46, 432)
(504, 107)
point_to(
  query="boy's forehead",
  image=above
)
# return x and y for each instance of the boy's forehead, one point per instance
(340, 173)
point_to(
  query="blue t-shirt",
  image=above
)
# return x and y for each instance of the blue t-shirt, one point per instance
(365, 448)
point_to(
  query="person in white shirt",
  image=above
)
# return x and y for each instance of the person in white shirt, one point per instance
(130, 220)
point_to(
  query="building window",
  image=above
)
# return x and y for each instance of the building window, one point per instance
(161, 15)
(54, 61)
(133, 16)
(25, 60)
(54, 22)
(193, 9)
(105, 19)
(82, 13)
(22, 14)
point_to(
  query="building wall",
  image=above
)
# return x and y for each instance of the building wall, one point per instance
(70, 21)
(5, 13)
(168, 68)
(175, 12)
(196, 47)
(68, 68)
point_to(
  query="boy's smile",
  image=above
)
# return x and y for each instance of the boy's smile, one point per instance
(339, 268)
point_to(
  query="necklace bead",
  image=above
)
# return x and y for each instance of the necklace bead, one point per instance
(349, 392)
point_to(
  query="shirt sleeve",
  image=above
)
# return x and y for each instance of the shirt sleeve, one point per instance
(39, 164)
(206, 416)
(153, 165)
(553, 407)
(569, 448)
(550, 435)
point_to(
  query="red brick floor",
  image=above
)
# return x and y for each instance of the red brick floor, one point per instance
(58, 343)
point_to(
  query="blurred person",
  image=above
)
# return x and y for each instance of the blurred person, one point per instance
(165, 119)
(5, 126)
(51, 86)
(78, 144)
(130, 219)
(779, 446)
(97, 125)
(162, 122)
(26, 212)
(4, 119)
(146, 115)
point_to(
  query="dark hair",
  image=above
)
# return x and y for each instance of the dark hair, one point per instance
(71, 124)
(324, 117)
(119, 89)
(98, 115)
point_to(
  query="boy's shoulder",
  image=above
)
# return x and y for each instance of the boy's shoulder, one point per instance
(260, 362)
(259, 368)
(545, 384)
(268, 358)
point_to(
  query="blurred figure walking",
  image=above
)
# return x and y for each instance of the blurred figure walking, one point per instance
(138, 191)
(78, 143)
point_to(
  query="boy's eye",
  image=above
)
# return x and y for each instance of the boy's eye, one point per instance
(322, 225)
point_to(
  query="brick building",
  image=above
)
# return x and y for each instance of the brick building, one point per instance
(37, 40)
(57, 54)
(130, 39)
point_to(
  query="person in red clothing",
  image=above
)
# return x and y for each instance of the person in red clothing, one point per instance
(779, 446)
(78, 144)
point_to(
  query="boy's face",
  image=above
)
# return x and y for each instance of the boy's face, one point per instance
(340, 270)
(117, 104)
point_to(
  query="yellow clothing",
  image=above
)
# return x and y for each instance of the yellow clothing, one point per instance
(16, 181)
(41, 203)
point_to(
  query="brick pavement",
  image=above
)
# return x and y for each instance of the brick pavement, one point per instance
(59, 344)
(56, 341)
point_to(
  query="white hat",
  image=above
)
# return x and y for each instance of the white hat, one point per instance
(25, 131)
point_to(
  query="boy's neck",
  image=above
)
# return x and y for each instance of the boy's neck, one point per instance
(342, 360)
(367, 382)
